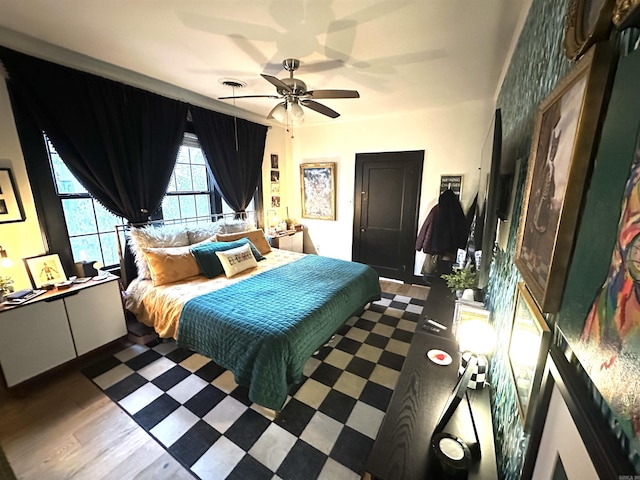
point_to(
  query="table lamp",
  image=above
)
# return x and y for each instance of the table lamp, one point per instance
(476, 339)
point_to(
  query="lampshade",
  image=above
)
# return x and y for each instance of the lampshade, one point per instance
(297, 114)
(280, 112)
(6, 261)
(476, 336)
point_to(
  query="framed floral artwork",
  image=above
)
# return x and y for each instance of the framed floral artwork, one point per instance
(318, 189)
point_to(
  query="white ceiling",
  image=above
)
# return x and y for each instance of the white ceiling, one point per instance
(399, 54)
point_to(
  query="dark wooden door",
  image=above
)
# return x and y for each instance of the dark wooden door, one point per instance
(387, 196)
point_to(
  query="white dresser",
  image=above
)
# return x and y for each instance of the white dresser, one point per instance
(59, 326)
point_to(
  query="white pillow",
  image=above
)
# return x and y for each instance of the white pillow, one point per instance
(237, 260)
(235, 226)
(154, 237)
(203, 231)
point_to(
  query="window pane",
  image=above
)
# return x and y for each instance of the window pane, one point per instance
(187, 206)
(183, 177)
(65, 181)
(170, 207)
(203, 205)
(86, 247)
(199, 174)
(107, 221)
(78, 213)
(183, 155)
(110, 248)
(172, 184)
(197, 157)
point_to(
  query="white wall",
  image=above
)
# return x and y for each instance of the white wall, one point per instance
(20, 239)
(453, 140)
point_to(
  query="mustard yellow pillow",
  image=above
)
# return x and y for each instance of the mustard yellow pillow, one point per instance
(171, 264)
(255, 236)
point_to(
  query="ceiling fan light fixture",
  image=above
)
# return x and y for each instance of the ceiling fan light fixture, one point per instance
(280, 113)
(297, 114)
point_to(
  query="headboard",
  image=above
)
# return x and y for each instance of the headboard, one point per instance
(127, 265)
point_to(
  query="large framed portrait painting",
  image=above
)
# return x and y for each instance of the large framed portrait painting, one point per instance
(567, 125)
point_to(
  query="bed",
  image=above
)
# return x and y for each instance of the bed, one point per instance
(263, 321)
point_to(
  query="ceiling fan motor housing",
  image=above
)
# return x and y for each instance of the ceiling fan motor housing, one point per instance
(298, 87)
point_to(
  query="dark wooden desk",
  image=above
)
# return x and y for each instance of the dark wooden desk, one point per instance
(401, 450)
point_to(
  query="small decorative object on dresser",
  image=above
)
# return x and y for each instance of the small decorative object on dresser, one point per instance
(45, 270)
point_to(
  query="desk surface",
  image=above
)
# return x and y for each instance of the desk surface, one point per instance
(401, 450)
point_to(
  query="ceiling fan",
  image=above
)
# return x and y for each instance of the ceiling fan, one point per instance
(295, 94)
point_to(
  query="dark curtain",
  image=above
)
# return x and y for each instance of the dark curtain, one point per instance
(236, 162)
(121, 142)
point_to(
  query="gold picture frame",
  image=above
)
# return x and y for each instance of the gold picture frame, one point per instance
(528, 346)
(626, 13)
(45, 270)
(587, 22)
(567, 127)
(318, 190)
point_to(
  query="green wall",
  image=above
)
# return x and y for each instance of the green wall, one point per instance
(537, 64)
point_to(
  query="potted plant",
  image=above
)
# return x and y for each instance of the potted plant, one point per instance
(6, 286)
(461, 279)
(290, 223)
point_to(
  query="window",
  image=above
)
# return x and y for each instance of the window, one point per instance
(91, 227)
(189, 193)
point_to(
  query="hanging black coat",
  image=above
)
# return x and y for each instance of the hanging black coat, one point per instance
(445, 229)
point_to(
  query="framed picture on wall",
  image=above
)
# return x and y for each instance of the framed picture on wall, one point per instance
(10, 205)
(567, 126)
(626, 13)
(528, 347)
(569, 439)
(318, 189)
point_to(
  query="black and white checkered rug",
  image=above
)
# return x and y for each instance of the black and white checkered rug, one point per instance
(195, 410)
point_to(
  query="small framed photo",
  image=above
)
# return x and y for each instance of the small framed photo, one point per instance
(275, 176)
(10, 205)
(528, 347)
(274, 160)
(45, 270)
(466, 310)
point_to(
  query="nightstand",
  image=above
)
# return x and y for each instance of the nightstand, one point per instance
(290, 240)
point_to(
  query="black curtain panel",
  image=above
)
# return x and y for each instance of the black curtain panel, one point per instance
(121, 142)
(234, 149)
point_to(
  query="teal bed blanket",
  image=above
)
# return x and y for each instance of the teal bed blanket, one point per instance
(266, 327)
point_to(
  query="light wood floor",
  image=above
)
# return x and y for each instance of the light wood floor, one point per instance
(66, 428)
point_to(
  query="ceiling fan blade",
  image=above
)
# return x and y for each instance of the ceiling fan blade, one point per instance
(279, 84)
(250, 96)
(333, 94)
(318, 107)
